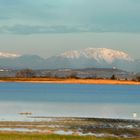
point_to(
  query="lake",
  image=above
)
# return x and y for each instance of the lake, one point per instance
(69, 100)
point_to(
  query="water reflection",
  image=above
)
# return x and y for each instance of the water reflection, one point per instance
(54, 109)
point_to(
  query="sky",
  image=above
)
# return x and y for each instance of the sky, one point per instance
(49, 27)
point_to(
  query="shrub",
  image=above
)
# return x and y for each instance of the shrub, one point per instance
(113, 77)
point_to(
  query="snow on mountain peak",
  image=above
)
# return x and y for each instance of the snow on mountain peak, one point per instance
(98, 54)
(71, 54)
(8, 55)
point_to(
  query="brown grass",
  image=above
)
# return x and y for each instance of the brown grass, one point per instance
(69, 81)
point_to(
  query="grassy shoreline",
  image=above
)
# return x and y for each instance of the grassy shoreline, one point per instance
(70, 81)
(32, 136)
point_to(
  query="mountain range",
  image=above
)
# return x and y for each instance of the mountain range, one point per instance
(74, 59)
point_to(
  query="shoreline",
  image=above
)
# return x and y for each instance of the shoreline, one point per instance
(70, 81)
(71, 126)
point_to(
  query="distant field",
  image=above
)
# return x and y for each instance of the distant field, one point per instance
(70, 81)
(22, 136)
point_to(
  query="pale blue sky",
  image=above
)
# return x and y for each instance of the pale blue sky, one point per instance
(48, 27)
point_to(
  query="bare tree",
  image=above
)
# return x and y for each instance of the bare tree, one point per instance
(25, 73)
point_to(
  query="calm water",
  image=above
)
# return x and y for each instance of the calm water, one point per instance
(104, 101)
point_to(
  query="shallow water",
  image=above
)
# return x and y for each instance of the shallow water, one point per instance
(71, 100)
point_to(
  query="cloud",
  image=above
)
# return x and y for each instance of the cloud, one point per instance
(37, 29)
(25, 29)
(63, 16)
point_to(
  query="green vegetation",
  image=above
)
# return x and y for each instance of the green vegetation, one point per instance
(22, 136)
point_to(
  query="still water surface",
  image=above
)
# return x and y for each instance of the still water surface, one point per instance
(69, 100)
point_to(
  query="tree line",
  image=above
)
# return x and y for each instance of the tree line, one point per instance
(29, 73)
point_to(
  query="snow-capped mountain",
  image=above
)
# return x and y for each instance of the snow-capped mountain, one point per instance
(8, 55)
(92, 57)
(74, 59)
(16, 61)
(98, 54)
